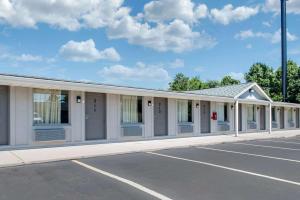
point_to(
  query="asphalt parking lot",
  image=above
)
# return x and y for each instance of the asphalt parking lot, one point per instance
(260, 169)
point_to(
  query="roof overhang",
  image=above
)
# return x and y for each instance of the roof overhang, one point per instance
(258, 89)
(33, 82)
(283, 104)
(256, 102)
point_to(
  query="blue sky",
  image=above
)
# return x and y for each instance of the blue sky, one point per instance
(142, 43)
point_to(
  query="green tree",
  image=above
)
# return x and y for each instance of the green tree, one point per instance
(264, 76)
(180, 83)
(212, 84)
(293, 87)
(195, 83)
(228, 80)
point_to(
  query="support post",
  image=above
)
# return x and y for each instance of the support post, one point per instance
(270, 118)
(236, 118)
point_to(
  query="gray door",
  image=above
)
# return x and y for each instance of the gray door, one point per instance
(282, 118)
(4, 115)
(262, 118)
(95, 116)
(160, 116)
(240, 117)
(205, 116)
(297, 118)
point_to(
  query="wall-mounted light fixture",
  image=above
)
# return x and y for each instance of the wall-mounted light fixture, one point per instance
(251, 90)
(257, 108)
(78, 99)
(232, 107)
(197, 105)
(149, 103)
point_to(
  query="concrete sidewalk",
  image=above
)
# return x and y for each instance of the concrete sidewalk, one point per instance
(30, 156)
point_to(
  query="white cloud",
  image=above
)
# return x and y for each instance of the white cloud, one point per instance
(151, 29)
(277, 37)
(199, 69)
(272, 37)
(28, 58)
(293, 6)
(141, 72)
(22, 57)
(185, 10)
(249, 46)
(65, 14)
(176, 36)
(237, 75)
(267, 24)
(85, 51)
(177, 63)
(229, 14)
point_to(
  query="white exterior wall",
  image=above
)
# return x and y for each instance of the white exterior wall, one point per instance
(20, 116)
(196, 112)
(214, 123)
(113, 114)
(77, 116)
(148, 118)
(172, 119)
(286, 120)
(231, 116)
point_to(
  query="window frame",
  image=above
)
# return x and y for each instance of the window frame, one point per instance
(190, 111)
(67, 92)
(253, 107)
(274, 114)
(291, 114)
(138, 115)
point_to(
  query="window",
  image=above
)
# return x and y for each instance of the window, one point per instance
(184, 111)
(251, 113)
(132, 109)
(290, 115)
(222, 112)
(50, 107)
(274, 114)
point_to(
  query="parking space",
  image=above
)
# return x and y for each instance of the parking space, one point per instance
(261, 169)
(62, 180)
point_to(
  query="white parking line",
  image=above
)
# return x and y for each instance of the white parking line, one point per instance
(228, 168)
(266, 146)
(123, 180)
(249, 154)
(276, 141)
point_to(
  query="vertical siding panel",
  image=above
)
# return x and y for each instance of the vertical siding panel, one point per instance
(196, 113)
(113, 112)
(148, 117)
(172, 119)
(76, 116)
(23, 128)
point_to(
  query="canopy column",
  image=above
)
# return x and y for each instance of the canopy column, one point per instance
(236, 118)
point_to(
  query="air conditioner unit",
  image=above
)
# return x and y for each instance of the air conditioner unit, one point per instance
(252, 125)
(223, 127)
(186, 128)
(49, 134)
(132, 131)
(292, 124)
(274, 125)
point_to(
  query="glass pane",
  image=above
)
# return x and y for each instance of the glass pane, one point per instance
(132, 109)
(50, 107)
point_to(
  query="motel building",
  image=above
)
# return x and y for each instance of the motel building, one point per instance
(38, 111)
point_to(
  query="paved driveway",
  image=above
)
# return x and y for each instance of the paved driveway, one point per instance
(261, 169)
